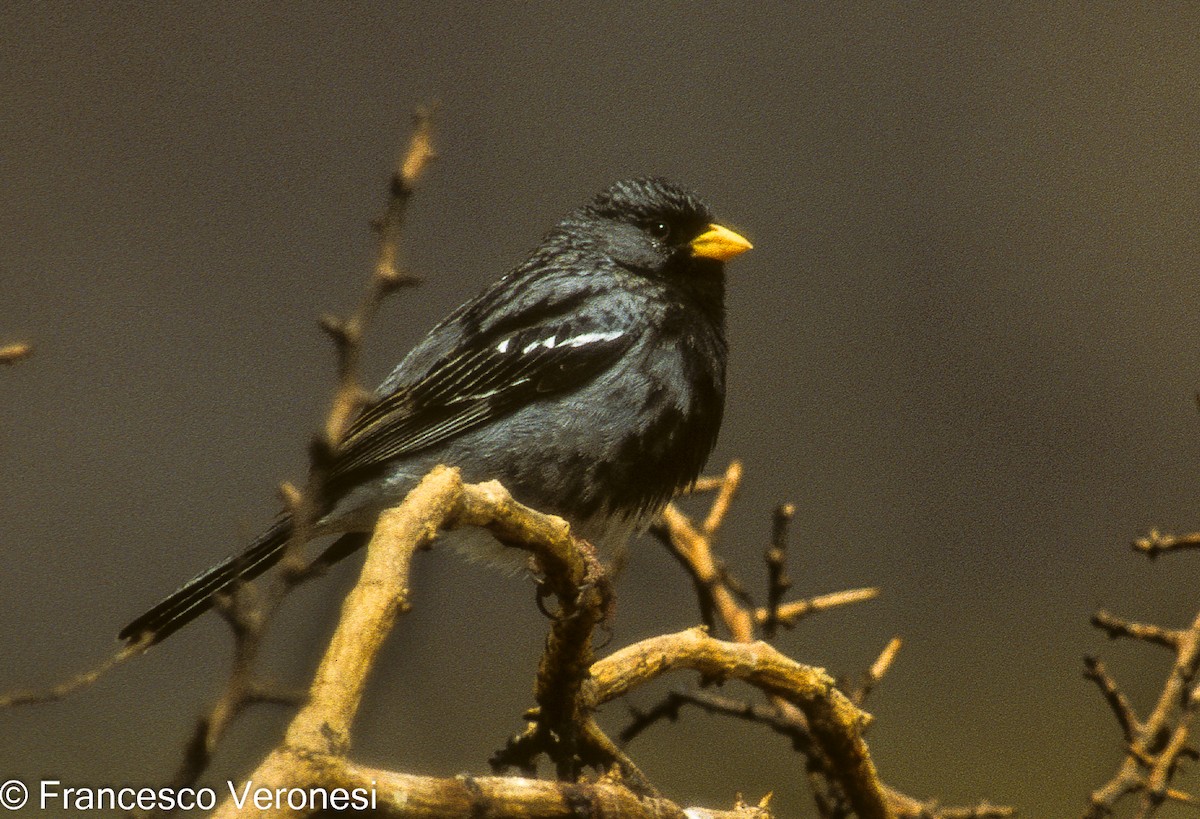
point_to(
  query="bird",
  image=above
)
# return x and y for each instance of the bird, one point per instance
(589, 380)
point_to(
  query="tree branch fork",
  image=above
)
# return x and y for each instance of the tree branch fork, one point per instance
(313, 752)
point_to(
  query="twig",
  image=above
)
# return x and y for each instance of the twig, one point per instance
(347, 334)
(70, 686)
(247, 608)
(778, 582)
(692, 545)
(722, 602)
(907, 808)
(791, 613)
(323, 724)
(1155, 543)
(731, 481)
(1156, 745)
(17, 351)
(669, 708)
(1116, 627)
(878, 668)
(1118, 703)
(835, 722)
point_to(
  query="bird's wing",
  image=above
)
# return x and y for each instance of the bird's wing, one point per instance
(478, 382)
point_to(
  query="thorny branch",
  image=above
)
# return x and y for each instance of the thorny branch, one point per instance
(312, 753)
(388, 276)
(562, 725)
(778, 582)
(1155, 746)
(723, 603)
(249, 607)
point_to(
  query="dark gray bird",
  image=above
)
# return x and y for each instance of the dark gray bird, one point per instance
(590, 381)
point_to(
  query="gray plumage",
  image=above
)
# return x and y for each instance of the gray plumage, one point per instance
(590, 381)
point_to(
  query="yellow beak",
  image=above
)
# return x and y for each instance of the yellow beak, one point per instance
(719, 243)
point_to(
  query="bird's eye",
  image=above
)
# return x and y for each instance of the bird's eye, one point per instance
(660, 230)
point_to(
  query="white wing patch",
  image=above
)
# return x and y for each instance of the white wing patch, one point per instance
(590, 338)
(581, 340)
(547, 343)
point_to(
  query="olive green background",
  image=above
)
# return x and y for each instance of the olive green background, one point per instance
(965, 346)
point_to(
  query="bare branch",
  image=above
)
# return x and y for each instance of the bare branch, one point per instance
(833, 719)
(371, 607)
(778, 581)
(1120, 705)
(791, 613)
(1156, 745)
(769, 716)
(347, 334)
(693, 549)
(1155, 543)
(1116, 627)
(79, 681)
(248, 607)
(878, 668)
(730, 483)
(312, 752)
(17, 351)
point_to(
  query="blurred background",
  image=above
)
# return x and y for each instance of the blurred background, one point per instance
(964, 346)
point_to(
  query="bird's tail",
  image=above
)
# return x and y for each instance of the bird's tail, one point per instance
(195, 597)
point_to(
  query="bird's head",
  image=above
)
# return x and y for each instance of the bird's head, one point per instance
(656, 228)
(659, 229)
